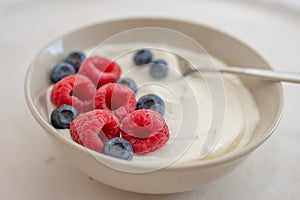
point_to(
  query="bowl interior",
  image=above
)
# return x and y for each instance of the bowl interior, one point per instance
(268, 95)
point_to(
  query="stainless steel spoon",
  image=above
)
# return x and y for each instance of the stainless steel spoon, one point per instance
(292, 77)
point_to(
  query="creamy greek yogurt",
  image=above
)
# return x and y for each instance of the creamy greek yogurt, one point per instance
(191, 93)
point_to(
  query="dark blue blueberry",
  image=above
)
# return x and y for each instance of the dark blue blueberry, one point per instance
(61, 70)
(75, 58)
(128, 82)
(158, 69)
(152, 102)
(142, 57)
(62, 116)
(118, 148)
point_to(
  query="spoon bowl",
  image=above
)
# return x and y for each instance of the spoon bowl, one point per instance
(270, 75)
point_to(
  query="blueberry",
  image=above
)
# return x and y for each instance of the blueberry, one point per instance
(75, 58)
(142, 57)
(118, 148)
(152, 102)
(62, 116)
(158, 69)
(128, 82)
(61, 70)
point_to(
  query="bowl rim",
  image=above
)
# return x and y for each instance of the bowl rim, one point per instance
(235, 155)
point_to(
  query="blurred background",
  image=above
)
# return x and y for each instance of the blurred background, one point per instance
(288, 3)
(30, 166)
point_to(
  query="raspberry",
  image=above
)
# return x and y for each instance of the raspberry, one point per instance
(75, 90)
(117, 98)
(93, 129)
(146, 130)
(100, 70)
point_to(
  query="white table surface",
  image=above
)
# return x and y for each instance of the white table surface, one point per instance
(31, 167)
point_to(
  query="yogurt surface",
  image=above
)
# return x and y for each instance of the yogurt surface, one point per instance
(190, 94)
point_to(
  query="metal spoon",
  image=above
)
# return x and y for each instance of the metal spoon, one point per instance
(292, 77)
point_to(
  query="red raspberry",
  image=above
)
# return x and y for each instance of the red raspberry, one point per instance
(100, 70)
(92, 129)
(146, 130)
(117, 98)
(75, 90)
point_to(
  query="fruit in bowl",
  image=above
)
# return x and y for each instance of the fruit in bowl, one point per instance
(191, 172)
(107, 109)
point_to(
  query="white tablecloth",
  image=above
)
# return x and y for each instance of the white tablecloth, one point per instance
(31, 167)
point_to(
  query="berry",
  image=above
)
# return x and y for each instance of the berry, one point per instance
(75, 90)
(146, 130)
(93, 129)
(158, 69)
(62, 116)
(116, 98)
(152, 102)
(100, 70)
(62, 70)
(129, 83)
(118, 148)
(142, 57)
(75, 58)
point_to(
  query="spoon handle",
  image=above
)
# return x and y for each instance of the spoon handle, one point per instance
(291, 77)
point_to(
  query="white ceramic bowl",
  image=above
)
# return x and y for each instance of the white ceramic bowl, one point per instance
(174, 178)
